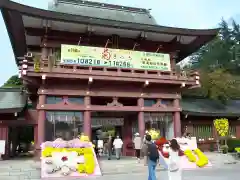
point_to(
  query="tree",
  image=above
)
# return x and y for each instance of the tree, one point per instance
(219, 65)
(222, 52)
(218, 85)
(13, 81)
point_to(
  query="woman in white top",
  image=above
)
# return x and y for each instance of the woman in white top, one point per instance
(175, 170)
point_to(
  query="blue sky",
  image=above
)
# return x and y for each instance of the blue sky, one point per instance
(176, 13)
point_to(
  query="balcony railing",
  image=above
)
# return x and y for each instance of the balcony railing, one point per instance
(50, 65)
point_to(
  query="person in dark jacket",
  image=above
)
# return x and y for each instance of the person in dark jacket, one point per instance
(109, 147)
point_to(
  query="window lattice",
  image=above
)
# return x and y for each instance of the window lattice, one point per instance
(203, 131)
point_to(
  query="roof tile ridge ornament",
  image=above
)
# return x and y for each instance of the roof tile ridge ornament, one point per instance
(103, 5)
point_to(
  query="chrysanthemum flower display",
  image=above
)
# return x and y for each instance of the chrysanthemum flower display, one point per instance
(202, 158)
(163, 147)
(221, 126)
(195, 156)
(68, 158)
(189, 154)
(155, 134)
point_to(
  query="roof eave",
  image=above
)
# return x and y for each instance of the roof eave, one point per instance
(12, 110)
(212, 114)
(5, 5)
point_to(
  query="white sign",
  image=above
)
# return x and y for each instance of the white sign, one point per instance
(187, 143)
(2, 146)
(100, 143)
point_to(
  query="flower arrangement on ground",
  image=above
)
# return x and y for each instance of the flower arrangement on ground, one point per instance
(202, 158)
(163, 147)
(66, 157)
(196, 156)
(189, 154)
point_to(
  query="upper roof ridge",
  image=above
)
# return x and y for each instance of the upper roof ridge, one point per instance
(103, 5)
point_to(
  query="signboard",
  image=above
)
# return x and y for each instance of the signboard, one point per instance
(117, 58)
(187, 143)
(107, 121)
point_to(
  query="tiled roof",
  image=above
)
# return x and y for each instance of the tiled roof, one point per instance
(12, 98)
(103, 10)
(207, 107)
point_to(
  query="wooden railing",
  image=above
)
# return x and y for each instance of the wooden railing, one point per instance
(48, 65)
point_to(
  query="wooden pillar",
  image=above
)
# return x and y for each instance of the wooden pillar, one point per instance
(41, 124)
(35, 136)
(87, 130)
(177, 120)
(238, 130)
(141, 122)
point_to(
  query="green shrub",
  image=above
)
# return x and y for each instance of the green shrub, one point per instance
(232, 144)
(224, 149)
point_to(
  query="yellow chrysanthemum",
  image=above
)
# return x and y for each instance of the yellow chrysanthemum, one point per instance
(191, 157)
(221, 126)
(202, 158)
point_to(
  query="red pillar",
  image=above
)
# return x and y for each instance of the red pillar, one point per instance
(238, 130)
(141, 122)
(177, 120)
(41, 124)
(87, 130)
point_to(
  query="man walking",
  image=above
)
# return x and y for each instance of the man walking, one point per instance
(152, 158)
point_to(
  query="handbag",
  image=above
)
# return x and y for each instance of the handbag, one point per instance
(173, 167)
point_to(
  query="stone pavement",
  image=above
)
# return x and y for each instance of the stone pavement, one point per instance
(19, 170)
(124, 166)
(218, 159)
(117, 169)
(207, 174)
(29, 169)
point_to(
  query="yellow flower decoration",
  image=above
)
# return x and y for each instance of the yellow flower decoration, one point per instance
(191, 157)
(89, 163)
(81, 168)
(202, 158)
(155, 134)
(222, 126)
(87, 167)
(84, 138)
(47, 152)
(237, 149)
